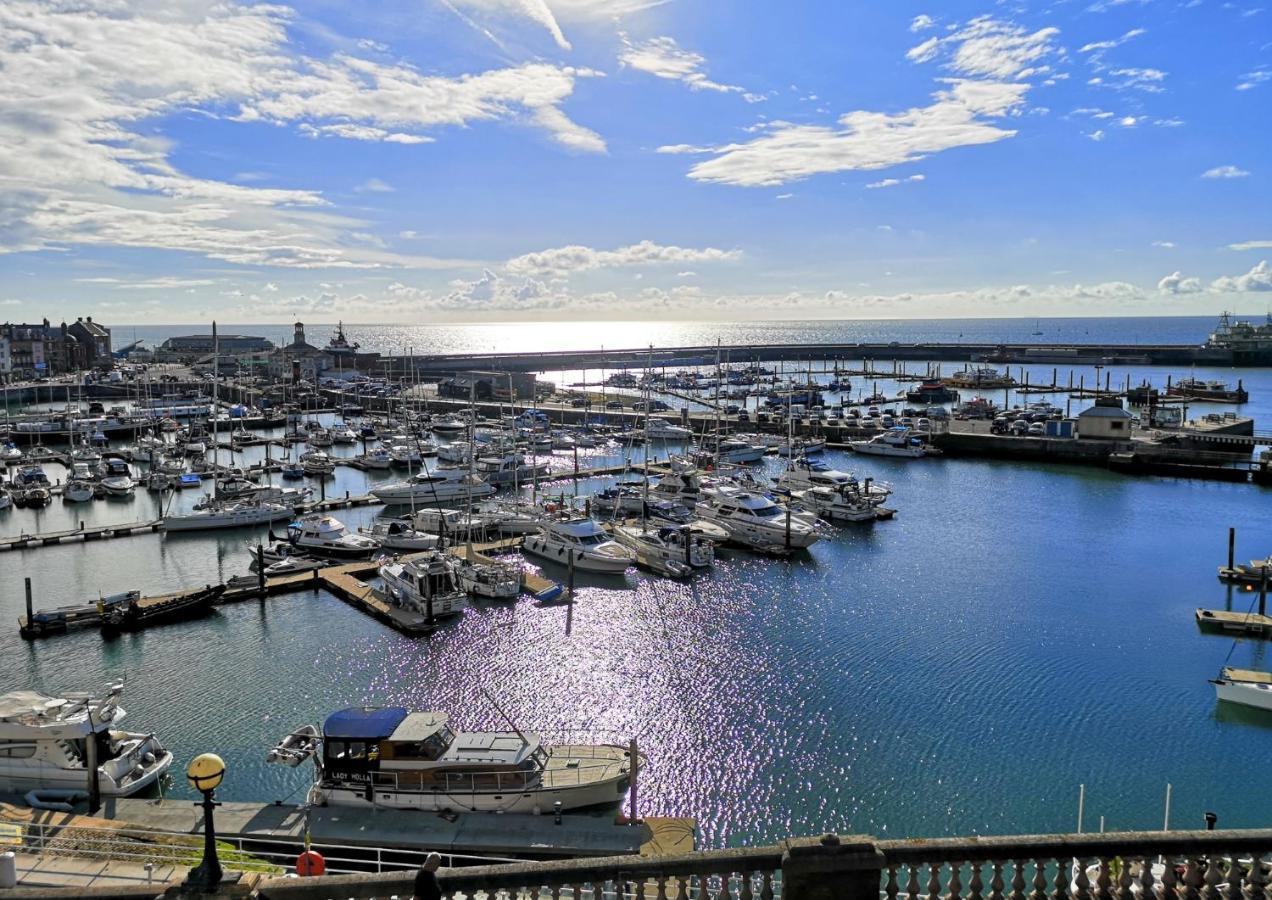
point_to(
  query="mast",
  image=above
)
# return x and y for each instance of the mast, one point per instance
(645, 484)
(216, 394)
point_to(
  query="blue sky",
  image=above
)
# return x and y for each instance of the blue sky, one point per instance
(469, 160)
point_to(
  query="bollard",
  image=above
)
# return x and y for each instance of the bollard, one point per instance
(9, 868)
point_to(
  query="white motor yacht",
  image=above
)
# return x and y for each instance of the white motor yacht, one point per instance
(319, 437)
(397, 535)
(377, 459)
(675, 552)
(756, 522)
(437, 486)
(838, 504)
(896, 441)
(508, 468)
(427, 585)
(582, 541)
(493, 581)
(1244, 687)
(391, 757)
(448, 426)
(805, 474)
(316, 462)
(456, 453)
(343, 434)
(44, 745)
(662, 430)
(78, 490)
(323, 535)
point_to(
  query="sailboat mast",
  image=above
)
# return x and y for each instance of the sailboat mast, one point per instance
(216, 394)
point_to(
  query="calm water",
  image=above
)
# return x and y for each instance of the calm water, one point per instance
(1015, 631)
(521, 336)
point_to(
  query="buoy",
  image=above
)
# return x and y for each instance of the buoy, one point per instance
(310, 863)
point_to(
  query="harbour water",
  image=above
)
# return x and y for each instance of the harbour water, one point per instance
(1017, 630)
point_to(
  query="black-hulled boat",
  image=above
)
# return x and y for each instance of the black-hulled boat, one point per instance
(136, 614)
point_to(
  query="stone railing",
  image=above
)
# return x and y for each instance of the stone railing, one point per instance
(1177, 865)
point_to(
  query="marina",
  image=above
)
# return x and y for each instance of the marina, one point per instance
(881, 517)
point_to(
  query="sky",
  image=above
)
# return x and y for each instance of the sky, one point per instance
(172, 161)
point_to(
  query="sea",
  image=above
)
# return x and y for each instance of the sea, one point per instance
(1017, 631)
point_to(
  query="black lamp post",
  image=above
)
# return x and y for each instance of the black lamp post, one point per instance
(205, 773)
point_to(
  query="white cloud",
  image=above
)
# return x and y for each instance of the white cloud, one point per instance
(577, 258)
(988, 47)
(661, 56)
(1168, 245)
(1251, 245)
(893, 182)
(922, 22)
(163, 282)
(80, 161)
(1225, 172)
(549, 13)
(1111, 43)
(1258, 279)
(1148, 80)
(1176, 283)
(959, 116)
(1253, 79)
(375, 186)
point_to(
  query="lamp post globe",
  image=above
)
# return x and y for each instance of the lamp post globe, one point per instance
(205, 772)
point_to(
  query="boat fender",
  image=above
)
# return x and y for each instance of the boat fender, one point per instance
(54, 800)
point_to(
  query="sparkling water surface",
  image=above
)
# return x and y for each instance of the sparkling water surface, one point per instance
(1018, 629)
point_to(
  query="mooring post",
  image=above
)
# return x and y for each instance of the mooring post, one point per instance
(632, 815)
(1263, 592)
(1232, 547)
(260, 568)
(28, 602)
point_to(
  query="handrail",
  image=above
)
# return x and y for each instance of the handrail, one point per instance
(1065, 846)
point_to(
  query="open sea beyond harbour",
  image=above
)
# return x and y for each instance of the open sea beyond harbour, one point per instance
(1017, 630)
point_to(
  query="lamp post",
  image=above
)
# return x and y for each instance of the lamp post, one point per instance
(205, 773)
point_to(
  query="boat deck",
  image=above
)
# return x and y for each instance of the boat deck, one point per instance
(1235, 622)
(1250, 676)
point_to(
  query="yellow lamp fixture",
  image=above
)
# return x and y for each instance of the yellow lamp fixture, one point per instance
(205, 772)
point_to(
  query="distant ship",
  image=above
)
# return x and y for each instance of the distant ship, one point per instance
(1248, 343)
(339, 345)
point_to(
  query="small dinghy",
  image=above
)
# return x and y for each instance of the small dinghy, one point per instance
(296, 747)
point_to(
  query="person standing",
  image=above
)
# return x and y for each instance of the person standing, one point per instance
(426, 886)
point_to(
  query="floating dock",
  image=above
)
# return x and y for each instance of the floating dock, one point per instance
(1230, 622)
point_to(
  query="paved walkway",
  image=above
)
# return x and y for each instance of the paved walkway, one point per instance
(74, 871)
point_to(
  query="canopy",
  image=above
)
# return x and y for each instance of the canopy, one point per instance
(363, 723)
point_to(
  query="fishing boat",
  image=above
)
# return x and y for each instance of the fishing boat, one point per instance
(427, 585)
(1211, 391)
(580, 541)
(896, 441)
(931, 390)
(322, 535)
(44, 744)
(490, 580)
(136, 613)
(756, 522)
(392, 757)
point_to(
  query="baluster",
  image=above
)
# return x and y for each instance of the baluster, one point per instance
(974, 884)
(1060, 885)
(996, 880)
(934, 881)
(956, 880)
(680, 888)
(661, 881)
(1212, 879)
(912, 883)
(1039, 891)
(1256, 881)
(890, 886)
(724, 886)
(1124, 879)
(554, 891)
(1104, 877)
(1170, 880)
(766, 885)
(747, 879)
(1017, 880)
(1235, 875)
(1081, 884)
(1192, 880)
(1146, 880)
(704, 887)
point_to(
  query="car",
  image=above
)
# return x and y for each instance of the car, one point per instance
(578, 401)
(732, 409)
(1020, 428)
(1037, 429)
(744, 416)
(614, 404)
(924, 424)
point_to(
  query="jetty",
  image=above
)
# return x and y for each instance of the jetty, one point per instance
(347, 581)
(1229, 622)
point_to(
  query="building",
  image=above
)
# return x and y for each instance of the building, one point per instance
(1107, 420)
(28, 346)
(5, 364)
(193, 346)
(488, 386)
(300, 358)
(94, 342)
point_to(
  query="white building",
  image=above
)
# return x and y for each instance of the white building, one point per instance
(6, 365)
(1107, 420)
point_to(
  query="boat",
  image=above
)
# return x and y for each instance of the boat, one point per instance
(44, 744)
(845, 503)
(296, 747)
(324, 535)
(437, 486)
(671, 551)
(31, 476)
(10, 452)
(448, 426)
(733, 450)
(319, 437)
(315, 462)
(803, 474)
(490, 580)
(426, 585)
(662, 430)
(897, 441)
(137, 613)
(34, 497)
(508, 469)
(78, 490)
(981, 378)
(797, 447)
(756, 522)
(187, 480)
(6, 499)
(343, 434)
(1212, 391)
(581, 542)
(235, 484)
(398, 535)
(377, 459)
(231, 514)
(392, 757)
(456, 453)
(293, 471)
(931, 390)
(1244, 687)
